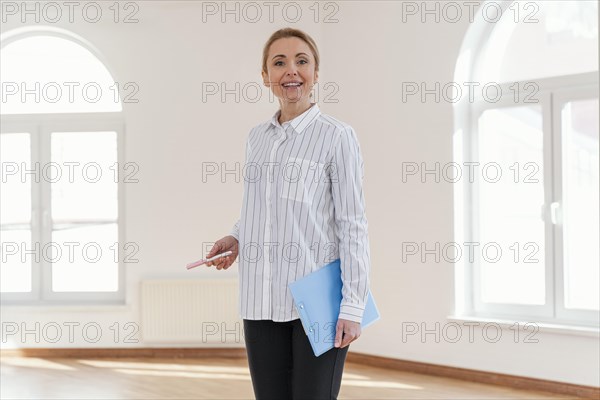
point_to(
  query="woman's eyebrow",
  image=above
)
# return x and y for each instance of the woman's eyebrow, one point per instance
(283, 55)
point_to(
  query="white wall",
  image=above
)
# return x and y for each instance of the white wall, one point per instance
(368, 54)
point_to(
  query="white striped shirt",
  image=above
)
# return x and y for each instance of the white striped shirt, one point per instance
(303, 207)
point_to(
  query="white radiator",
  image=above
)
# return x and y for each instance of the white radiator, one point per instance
(191, 311)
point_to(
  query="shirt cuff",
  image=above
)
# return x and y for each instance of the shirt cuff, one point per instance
(235, 232)
(351, 312)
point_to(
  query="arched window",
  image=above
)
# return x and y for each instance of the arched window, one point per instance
(529, 138)
(61, 152)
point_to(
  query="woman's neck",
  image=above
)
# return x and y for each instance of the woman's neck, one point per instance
(292, 110)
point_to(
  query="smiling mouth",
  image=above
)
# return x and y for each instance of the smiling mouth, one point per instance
(292, 85)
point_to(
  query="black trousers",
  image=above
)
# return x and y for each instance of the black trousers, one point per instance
(283, 365)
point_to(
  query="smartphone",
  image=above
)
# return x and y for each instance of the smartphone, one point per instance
(205, 260)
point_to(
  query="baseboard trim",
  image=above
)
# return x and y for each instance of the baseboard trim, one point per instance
(153, 352)
(471, 375)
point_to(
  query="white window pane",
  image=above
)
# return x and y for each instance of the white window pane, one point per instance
(15, 266)
(15, 185)
(539, 39)
(84, 176)
(510, 142)
(15, 213)
(41, 65)
(580, 204)
(93, 265)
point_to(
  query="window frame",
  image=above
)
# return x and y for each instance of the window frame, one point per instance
(552, 93)
(504, 310)
(466, 114)
(40, 127)
(559, 99)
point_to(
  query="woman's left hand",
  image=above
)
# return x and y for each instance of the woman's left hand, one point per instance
(350, 330)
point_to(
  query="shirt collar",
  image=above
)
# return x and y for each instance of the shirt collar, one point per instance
(299, 123)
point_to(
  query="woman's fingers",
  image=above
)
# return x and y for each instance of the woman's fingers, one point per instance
(216, 249)
(227, 262)
(219, 262)
(223, 262)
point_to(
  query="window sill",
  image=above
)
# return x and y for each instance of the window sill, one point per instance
(585, 331)
(58, 308)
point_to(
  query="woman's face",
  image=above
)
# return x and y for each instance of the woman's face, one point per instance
(290, 60)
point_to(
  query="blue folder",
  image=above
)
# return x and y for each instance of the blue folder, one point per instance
(317, 298)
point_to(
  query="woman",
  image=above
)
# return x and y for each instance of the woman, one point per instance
(303, 207)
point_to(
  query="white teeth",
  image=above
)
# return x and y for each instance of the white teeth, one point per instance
(291, 84)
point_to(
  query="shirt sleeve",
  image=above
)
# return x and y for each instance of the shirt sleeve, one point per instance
(235, 231)
(347, 175)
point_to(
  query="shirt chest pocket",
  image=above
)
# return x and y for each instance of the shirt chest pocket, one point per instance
(301, 179)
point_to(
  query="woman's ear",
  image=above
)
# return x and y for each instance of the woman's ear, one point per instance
(265, 79)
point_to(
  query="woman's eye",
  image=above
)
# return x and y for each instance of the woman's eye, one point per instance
(278, 63)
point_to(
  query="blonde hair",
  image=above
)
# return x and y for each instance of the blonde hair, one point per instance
(286, 33)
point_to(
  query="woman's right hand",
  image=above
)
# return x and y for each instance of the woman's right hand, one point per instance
(222, 245)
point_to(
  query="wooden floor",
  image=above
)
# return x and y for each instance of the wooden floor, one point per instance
(217, 378)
